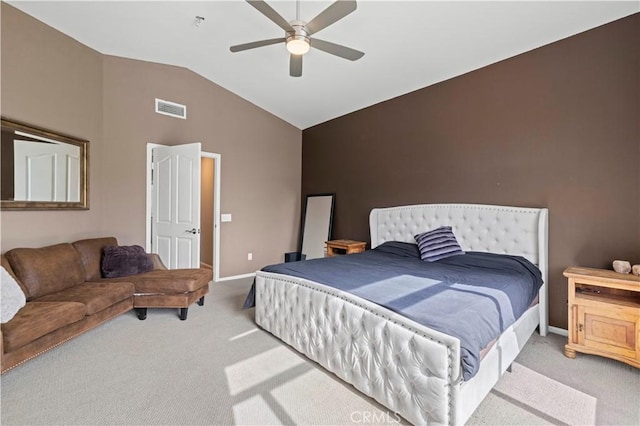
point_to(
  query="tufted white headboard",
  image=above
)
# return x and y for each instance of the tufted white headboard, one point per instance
(478, 227)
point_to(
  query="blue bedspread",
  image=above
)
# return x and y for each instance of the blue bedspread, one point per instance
(474, 296)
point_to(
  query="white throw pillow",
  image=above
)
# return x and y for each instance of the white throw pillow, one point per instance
(11, 296)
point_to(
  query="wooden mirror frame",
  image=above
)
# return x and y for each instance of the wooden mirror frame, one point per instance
(83, 203)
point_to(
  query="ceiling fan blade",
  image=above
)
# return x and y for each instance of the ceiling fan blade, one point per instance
(295, 65)
(337, 49)
(254, 44)
(268, 11)
(331, 14)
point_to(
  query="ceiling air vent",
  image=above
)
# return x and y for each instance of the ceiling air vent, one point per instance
(171, 108)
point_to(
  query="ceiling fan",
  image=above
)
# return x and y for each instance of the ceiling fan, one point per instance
(298, 33)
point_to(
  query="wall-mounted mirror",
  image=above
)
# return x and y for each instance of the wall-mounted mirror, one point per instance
(317, 219)
(42, 170)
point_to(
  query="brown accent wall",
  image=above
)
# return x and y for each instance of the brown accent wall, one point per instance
(51, 80)
(556, 127)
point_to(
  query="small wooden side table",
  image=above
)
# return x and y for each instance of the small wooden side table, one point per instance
(337, 247)
(604, 314)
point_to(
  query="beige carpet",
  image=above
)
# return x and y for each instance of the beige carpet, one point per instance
(218, 368)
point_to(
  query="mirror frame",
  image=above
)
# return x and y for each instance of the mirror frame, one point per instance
(83, 204)
(304, 218)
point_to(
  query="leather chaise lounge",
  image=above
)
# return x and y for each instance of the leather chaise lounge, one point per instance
(67, 295)
(159, 288)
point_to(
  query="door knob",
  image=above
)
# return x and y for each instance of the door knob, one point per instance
(192, 231)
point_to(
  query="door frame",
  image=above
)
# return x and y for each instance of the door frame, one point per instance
(217, 160)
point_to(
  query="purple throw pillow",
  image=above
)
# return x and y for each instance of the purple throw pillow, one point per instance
(438, 244)
(122, 261)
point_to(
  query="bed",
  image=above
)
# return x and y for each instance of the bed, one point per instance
(411, 369)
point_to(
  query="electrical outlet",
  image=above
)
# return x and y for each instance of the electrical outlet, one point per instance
(250, 256)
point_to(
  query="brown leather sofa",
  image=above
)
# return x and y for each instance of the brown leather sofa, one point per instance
(66, 295)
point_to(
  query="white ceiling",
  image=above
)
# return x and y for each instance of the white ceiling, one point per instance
(407, 45)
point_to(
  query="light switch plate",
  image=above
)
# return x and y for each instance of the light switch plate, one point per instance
(225, 217)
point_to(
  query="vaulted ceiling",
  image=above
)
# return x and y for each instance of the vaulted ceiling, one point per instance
(408, 45)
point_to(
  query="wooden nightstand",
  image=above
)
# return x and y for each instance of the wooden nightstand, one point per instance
(336, 247)
(604, 314)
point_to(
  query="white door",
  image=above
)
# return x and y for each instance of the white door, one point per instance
(175, 205)
(46, 171)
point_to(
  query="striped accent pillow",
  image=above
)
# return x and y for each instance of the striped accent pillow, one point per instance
(438, 244)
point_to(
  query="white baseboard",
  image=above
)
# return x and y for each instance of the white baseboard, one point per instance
(236, 277)
(558, 330)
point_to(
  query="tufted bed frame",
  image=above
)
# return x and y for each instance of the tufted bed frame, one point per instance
(409, 368)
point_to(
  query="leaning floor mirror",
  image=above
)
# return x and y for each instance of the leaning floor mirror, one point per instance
(317, 219)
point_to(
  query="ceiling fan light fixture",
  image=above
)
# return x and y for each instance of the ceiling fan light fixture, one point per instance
(298, 45)
(297, 33)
